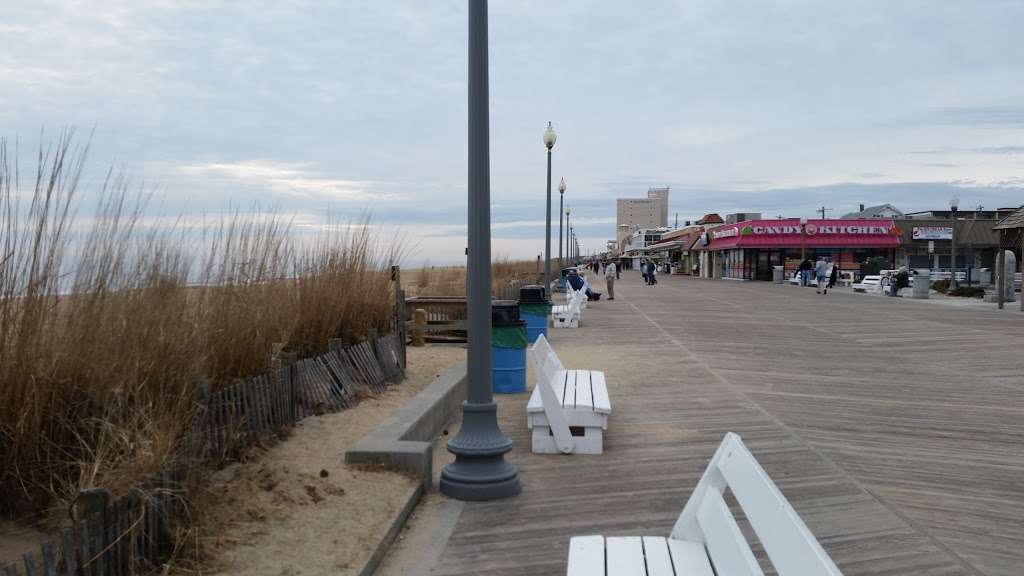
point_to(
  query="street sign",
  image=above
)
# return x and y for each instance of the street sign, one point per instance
(932, 233)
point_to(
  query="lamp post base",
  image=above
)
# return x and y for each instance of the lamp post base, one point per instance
(480, 471)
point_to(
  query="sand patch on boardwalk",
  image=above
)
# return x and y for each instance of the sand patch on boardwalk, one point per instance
(297, 509)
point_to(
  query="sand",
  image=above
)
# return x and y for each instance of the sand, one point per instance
(297, 509)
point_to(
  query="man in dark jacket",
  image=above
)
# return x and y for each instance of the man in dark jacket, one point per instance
(805, 271)
(902, 280)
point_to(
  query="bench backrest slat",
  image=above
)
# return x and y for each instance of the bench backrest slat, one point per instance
(727, 548)
(790, 546)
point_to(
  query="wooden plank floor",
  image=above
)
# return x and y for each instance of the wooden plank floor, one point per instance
(895, 428)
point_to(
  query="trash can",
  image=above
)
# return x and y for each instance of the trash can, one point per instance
(778, 275)
(922, 284)
(508, 348)
(985, 277)
(534, 308)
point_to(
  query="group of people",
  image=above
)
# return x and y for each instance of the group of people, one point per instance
(649, 270)
(824, 272)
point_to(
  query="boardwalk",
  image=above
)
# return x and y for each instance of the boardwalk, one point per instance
(895, 428)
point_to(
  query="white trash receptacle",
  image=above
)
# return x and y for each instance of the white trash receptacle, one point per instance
(922, 285)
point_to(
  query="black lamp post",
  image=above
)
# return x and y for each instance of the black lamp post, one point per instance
(479, 471)
(561, 200)
(954, 206)
(549, 143)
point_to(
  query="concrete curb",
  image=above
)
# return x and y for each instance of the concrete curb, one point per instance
(389, 537)
(404, 441)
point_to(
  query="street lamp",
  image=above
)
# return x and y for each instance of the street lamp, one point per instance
(954, 205)
(568, 246)
(549, 143)
(561, 199)
(479, 471)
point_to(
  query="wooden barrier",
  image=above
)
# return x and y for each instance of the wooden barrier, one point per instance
(132, 534)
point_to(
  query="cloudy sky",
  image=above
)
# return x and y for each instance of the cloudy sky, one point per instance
(357, 106)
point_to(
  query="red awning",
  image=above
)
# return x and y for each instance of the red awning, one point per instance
(857, 233)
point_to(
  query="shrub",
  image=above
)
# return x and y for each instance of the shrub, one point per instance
(968, 292)
(872, 266)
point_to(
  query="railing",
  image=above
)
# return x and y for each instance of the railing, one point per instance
(446, 315)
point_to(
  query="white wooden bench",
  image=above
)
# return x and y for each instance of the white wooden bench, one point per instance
(568, 410)
(568, 315)
(706, 539)
(869, 285)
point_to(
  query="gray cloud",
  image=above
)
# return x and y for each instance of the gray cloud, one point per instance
(360, 106)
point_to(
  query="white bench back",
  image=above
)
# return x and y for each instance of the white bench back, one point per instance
(706, 518)
(547, 365)
(545, 361)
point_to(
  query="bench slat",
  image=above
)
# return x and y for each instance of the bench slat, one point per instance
(656, 555)
(586, 556)
(625, 556)
(584, 390)
(689, 558)
(726, 545)
(559, 384)
(599, 391)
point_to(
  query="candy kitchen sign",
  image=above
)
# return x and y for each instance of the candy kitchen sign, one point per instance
(818, 232)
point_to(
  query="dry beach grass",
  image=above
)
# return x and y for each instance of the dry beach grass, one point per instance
(109, 324)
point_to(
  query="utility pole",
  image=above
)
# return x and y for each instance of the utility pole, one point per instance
(677, 221)
(823, 210)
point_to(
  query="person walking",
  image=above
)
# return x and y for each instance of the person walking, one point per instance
(609, 275)
(652, 272)
(821, 275)
(643, 272)
(901, 280)
(618, 270)
(805, 271)
(834, 276)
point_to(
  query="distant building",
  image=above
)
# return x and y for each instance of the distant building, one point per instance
(880, 211)
(632, 214)
(977, 214)
(660, 196)
(711, 219)
(741, 217)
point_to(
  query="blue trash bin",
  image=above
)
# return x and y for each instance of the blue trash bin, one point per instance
(535, 309)
(508, 348)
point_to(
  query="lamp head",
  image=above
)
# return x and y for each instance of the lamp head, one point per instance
(549, 137)
(954, 203)
(561, 186)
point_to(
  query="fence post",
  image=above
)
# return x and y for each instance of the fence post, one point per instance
(396, 280)
(419, 327)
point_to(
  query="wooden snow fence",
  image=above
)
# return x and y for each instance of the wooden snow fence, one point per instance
(133, 534)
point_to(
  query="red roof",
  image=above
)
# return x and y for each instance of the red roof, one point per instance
(711, 219)
(785, 233)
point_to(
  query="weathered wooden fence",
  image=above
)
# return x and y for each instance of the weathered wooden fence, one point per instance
(133, 534)
(446, 315)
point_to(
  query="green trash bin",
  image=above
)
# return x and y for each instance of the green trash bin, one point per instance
(508, 348)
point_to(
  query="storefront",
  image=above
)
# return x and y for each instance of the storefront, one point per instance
(674, 249)
(929, 243)
(750, 250)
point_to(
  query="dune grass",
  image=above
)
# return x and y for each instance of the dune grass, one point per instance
(110, 323)
(451, 280)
